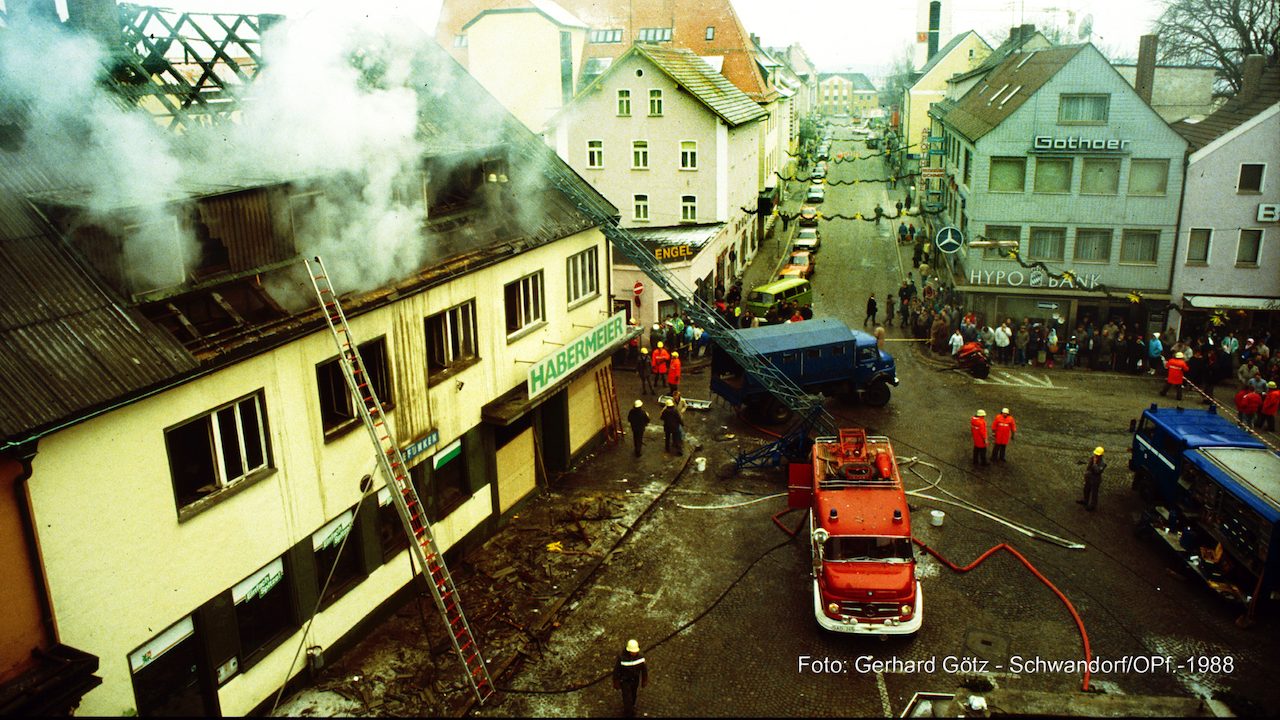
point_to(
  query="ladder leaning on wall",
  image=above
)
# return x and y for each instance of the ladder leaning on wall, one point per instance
(408, 505)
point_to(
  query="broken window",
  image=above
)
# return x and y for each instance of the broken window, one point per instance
(524, 306)
(336, 407)
(217, 450)
(451, 341)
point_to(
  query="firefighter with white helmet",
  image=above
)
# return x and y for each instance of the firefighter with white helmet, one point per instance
(630, 674)
(1177, 368)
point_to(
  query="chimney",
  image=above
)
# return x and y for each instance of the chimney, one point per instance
(1251, 76)
(935, 23)
(1145, 77)
(98, 18)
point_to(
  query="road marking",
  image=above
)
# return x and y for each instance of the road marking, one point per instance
(1003, 377)
(884, 695)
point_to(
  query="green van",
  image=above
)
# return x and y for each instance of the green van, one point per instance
(762, 298)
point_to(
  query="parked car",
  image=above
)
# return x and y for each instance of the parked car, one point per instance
(807, 239)
(800, 264)
(808, 216)
(817, 193)
(819, 172)
(873, 141)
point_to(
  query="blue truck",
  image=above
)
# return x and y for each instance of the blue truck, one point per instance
(821, 356)
(1212, 493)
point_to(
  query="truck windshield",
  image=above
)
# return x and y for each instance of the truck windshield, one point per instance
(845, 548)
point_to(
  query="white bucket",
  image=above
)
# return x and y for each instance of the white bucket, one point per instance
(936, 517)
(701, 463)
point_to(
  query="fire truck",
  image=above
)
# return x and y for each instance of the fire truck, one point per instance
(1212, 493)
(864, 570)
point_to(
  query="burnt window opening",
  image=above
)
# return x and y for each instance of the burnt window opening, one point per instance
(391, 535)
(451, 341)
(214, 256)
(337, 411)
(201, 320)
(218, 450)
(443, 482)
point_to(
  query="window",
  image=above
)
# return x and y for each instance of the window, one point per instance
(688, 208)
(443, 483)
(641, 204)
(655, 35)
(1046, 243)
(1093, 244)
(523, 300)
(1139, 246)
(1100, 176)
(217, 450)
(451, 341)
(391, 535)
(688, 155)
(624, 102)
(263, 614)
(655, 102)
(333, 556)
(1001, 232)
(1083, 109)
(1198, 246)
(605, 36)
(1008, 174)
(640, 155)
(459, 41)
(1148, 177)
(968, 165)
(711, 32)
(1249, 248)
(582, 275)
(1053, 175)
(1250, 178)
(336, 408)
(595, 153)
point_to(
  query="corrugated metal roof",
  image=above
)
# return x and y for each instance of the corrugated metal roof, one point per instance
(1003, 91)
(1232, 114)
(692, 235)
(702, 81)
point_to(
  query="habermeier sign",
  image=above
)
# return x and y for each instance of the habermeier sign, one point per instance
(1035, 278)
(1048, 143)
(546, 372)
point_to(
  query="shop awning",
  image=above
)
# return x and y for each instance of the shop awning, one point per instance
(1230, 302)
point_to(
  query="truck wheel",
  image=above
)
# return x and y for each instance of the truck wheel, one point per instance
(980, 370)
(766, 410)
(877, 395)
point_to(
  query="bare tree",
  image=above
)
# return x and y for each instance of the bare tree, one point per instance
(900, 76)
(1220, 33)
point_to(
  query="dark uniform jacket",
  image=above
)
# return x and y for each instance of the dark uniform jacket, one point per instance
(631, 669)
(638, 418)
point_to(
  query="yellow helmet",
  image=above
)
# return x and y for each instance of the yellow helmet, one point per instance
(1097, 450)
(659, 343)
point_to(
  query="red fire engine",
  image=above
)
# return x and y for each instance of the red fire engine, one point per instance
(864, 570)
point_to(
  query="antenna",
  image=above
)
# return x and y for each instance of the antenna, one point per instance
(1086, 27)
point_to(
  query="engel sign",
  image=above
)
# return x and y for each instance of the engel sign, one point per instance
(1033, 278)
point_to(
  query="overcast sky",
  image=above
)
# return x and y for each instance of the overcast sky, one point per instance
(837, 34)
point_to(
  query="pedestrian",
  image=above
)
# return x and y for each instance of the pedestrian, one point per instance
(1093, 480)
(1270, 405)
(956, 342)
(1154, 350)
(1073, 348)
(902, 229)
(644, 370)
(661, 357)
(639, 420)
(673, 373)
(888, 303)
(879, 213)
(1004, 427)
(978, 427)
(1177, 367)
(629, 675)
(672, 428)
(871, 311)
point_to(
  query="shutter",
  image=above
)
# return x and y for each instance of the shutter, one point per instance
(367, 534)
(217, 630)
(300, 571)
(476, 457)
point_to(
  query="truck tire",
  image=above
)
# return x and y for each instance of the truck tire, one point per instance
(766, 410)
(876, 394)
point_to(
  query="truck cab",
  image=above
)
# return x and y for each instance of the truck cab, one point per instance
(1212, 492)
(863, 562)
(822, 356)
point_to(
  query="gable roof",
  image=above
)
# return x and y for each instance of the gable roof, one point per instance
(858, 80)
(951, 45)
(1005, 90)
(1233, 113)
(547, 8)
(1018, 37)
(688, 22)
(702, 82)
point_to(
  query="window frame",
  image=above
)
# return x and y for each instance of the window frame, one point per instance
(689, 156)
(1164, 189)
(688, 208)
(1111, 239)
(351, 570)
(222, 487)
(711, 32)
(640, 201)
(254, 648)
(595, 151)
(1031, 242)
(582, 273)
(531, 305)
(639, 154)
(461, 348)
(994, 161)
(655, 102)
(1257, 250)
(1126, 234)
(381, 377)
(1191, 243)
(624, 98)
(1062, 104)
(994, 232)
(1100, 161)
(1262, 179)
(1071, 170)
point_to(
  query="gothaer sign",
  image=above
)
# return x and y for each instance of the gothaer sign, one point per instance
(546, 372)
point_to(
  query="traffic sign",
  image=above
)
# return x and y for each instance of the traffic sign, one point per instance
(1047, 305)
(639, 287)
(949, 239)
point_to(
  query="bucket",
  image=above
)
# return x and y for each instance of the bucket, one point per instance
(701, 463)
(936, 517)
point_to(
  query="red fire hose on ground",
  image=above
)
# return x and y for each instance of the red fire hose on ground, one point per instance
(1084, 636)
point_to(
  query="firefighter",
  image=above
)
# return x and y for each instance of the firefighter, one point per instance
(660, 358)
(1270, 405)
(644, 370)
(1249, 404)
(1093, 480)
(1177, 368)
(672, 428)
(673, 373)
(639, 420)
(978, 426)
(1004, 427)
(630, 674)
